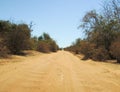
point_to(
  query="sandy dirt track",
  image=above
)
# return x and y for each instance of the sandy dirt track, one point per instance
(59, 72)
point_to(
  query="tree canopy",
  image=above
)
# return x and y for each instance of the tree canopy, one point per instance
(102, 33)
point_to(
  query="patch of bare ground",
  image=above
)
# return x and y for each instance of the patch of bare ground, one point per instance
(59, 72)
(19, 58)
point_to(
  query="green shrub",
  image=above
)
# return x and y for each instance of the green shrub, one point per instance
(19, 38)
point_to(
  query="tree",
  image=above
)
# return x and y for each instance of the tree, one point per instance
(5, 28)
(111, 10)
(19, 38)
(46, 36)
(102, 29)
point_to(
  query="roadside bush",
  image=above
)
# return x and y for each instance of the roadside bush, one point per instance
(75, 47)
(19, 38)
(46, 44)
(115, 49)
(43, 47)
(91, 51)
(14, 38)
(53, 46)
(87, 49)
(3, 49)
(100, 54)
(33, 43)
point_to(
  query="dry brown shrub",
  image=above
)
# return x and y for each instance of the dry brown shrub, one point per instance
(115, 49)
(43, 47)
(3, 49)
(100, 54)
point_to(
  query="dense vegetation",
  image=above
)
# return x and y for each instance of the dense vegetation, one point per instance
(46, 44)
(14, 38)
(102, 31)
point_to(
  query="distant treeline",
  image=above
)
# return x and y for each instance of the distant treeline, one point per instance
(102, 31)
(14, 38)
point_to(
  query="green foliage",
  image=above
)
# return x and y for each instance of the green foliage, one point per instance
(46, 36)
(19, 38)
(5, 27)
(15, 37)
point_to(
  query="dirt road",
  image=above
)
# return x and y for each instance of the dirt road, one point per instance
(59, 72)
